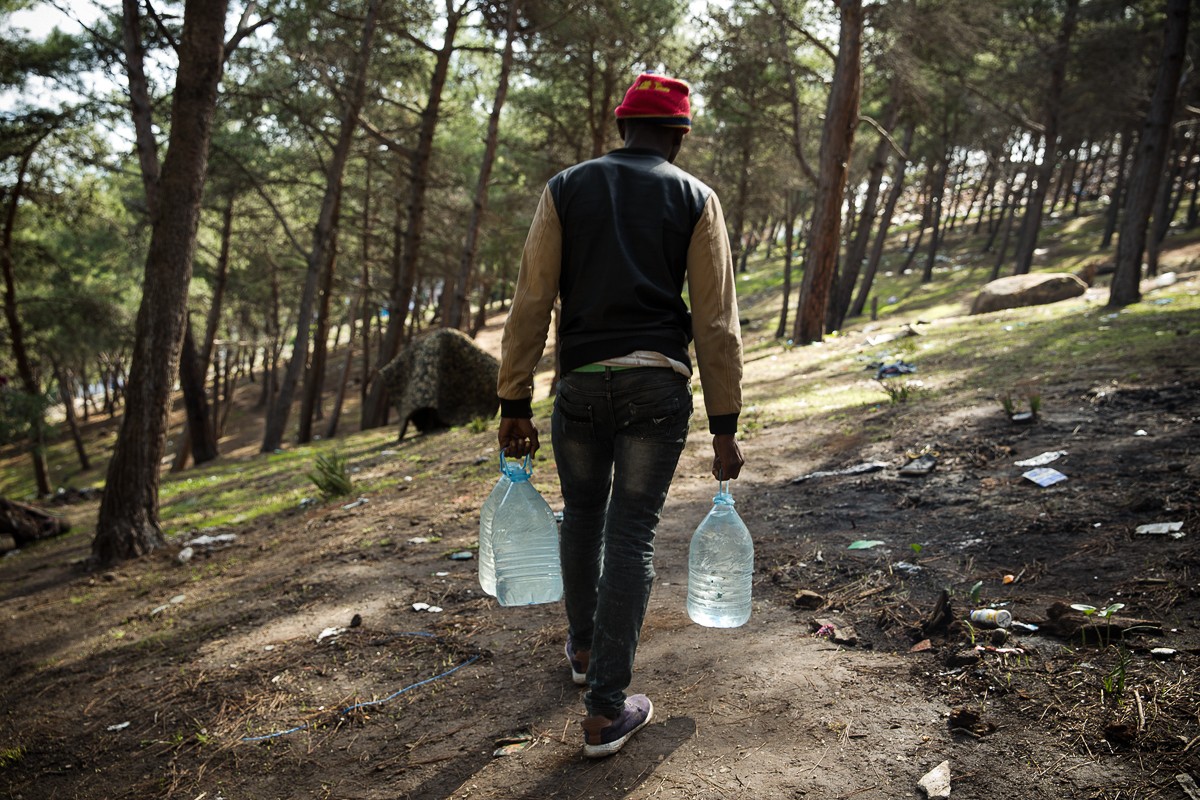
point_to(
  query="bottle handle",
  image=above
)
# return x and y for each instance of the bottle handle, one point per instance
(526, 465)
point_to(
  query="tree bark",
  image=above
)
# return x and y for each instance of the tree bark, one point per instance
(791, 204)
(318, 257)
(837, 140)
(128, 521)
(1148, 161)
(1117, 198)
(200, 432)
(1032, 223)
(141, 108)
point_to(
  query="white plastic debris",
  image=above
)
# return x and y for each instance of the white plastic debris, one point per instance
(1172, 529)
(120, 726)
(177, 599)
(1041, 460)
(426, 607)
(330, 634)
(220, 540)
(1044, 476)
(936, 782)
(185, 555)
(362, 501)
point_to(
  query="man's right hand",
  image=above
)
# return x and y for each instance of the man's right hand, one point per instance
(727, 458)
(518, 437)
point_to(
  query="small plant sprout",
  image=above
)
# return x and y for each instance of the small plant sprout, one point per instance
(1008, 404)
(916, 548)
(976, 592)
(900, 391)
(331, 475)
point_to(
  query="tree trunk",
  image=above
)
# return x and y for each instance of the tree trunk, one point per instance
(1117, 197)
(318, 257)
(1148, 162)
(68, 400)
(128, 521)
(201, 434)
(791, 202)
(858, 248)
(141, 107)
(460, 307)
(737, 230)
(404, 269)
(837, 139)
(314, 374)
(885, 222)
(1008, 226)
(1031, 225)
(1164, 211)
(16, 332)
(937, 194)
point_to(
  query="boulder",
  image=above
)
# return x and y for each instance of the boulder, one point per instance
(442, 379)
(1018, 291)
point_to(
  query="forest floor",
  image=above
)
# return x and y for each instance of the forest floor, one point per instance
(211, 679)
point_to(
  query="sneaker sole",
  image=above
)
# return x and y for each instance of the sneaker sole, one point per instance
(602, 750)
(579, 678)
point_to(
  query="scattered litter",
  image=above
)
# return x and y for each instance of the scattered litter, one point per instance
(921, 646)
(1188, 785)
(389, 452)
(158, 610)
(1041, 460)
(269, 647)
(1164, 301)
(441, 574)
(1163, 653)
(1166, 279)
(511, 745)
(308, 502)
(894, 369)
(1172, 529)
(426, 607)
(837, 632)
(857, 469)
(330, 634)
(864, 544)
(1140, 432)
(921, 465)
(185, 555)
(120, 726)
(936, 782)
(177, 599)
(1007, 579)
(462, 555)
(1022, 416)
(213, 542)
(420, 540)
(362, 501)
(1004, 651)
(807, 598)
(991, 617)
(906, 568)
(1044, 476)
(11, 553)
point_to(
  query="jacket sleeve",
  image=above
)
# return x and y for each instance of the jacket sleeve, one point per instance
(715, 325)
(528, 321)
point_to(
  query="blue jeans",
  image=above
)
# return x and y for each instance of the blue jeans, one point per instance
(617, 438)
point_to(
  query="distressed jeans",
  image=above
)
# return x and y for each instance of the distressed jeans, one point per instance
(617, 438)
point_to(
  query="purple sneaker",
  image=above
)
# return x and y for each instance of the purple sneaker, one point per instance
(579, 662)
(603, 736)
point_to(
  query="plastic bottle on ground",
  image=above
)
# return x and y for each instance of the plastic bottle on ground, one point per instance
(525, 546)
(720, 567)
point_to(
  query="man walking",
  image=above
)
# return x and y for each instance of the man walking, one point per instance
(617, 238)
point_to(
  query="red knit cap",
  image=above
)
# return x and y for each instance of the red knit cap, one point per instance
(658, 99)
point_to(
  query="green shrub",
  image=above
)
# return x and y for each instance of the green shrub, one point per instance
(332, 475)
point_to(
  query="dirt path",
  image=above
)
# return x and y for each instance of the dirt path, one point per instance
(151, 680)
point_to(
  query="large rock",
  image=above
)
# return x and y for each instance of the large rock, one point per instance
(442, 379)
(1019, 291)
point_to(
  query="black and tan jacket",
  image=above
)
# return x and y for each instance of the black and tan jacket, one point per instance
(617, 237)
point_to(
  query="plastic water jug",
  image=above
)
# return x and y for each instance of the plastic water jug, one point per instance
(487, 563)
(720, 567)
(525, 545)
